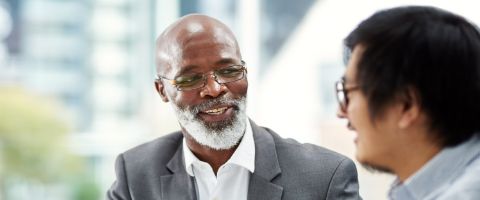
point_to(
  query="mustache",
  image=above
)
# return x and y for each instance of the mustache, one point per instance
(195, 109)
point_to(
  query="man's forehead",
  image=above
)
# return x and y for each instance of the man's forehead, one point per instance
(198, 50)
(191, 37)
(200, 34)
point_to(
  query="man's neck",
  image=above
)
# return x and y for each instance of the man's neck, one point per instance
(215, 158)
(413, 157)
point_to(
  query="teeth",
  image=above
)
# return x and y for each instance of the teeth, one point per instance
(216, 111)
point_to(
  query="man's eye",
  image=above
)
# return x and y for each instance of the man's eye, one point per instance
(230, 71)
(185, 81)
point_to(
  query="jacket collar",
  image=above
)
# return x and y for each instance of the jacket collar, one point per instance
(179, 185)
(266, 166)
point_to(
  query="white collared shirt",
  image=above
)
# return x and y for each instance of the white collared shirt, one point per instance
(232, 177)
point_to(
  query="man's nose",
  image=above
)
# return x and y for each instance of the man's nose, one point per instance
(212, 87)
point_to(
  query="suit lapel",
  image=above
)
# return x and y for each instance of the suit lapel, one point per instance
(266, 167)
(178, 185)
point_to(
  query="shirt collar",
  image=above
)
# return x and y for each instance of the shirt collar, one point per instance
(440, 170)
(244, 155)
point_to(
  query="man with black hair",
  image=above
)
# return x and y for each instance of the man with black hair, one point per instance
(411, 92)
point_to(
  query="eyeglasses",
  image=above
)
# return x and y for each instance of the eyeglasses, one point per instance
(195, 81)
(342, 93)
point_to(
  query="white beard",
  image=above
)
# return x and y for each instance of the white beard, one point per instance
(219, 136)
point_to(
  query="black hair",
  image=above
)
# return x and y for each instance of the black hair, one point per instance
(433, 51)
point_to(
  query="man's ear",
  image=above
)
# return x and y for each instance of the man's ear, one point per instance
(411, 108)
(161, 90)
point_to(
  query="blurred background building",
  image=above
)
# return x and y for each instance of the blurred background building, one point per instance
(95, 59)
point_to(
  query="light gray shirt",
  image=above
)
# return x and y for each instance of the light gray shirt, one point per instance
(454, 173)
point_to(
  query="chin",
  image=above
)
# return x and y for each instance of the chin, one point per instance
(372, 166)
(218, 125)
(218, 135)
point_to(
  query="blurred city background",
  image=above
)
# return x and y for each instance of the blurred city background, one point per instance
(76, 82)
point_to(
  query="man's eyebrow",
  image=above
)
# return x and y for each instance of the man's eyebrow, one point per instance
(225, 61)
(186, 69)
(190, 68)
(345, 79)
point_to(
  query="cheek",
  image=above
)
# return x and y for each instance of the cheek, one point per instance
(181, 99)
(359, 117)
(355, 112)
(239, 89)
(187, 98)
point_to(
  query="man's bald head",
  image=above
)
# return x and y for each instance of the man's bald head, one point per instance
(187, 32)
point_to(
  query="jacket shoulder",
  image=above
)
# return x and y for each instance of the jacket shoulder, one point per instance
(154, 153)
(334, 175)
(166, 140)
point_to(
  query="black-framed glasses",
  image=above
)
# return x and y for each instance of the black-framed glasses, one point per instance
(223, 75)
(341, 92)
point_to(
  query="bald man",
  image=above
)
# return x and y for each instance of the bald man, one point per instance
(220, 153)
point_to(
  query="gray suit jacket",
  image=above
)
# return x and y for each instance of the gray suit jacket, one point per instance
(284, 169)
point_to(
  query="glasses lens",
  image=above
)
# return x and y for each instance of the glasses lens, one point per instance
(341, 97)
(189, 82)
(230, 74)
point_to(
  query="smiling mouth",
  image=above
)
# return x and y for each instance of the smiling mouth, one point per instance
(216, 111)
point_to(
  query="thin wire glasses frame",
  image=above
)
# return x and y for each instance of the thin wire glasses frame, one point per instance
(341, 92)
(222, 76)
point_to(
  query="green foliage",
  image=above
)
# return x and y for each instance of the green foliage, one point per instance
(86, 189)
(33, 144)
